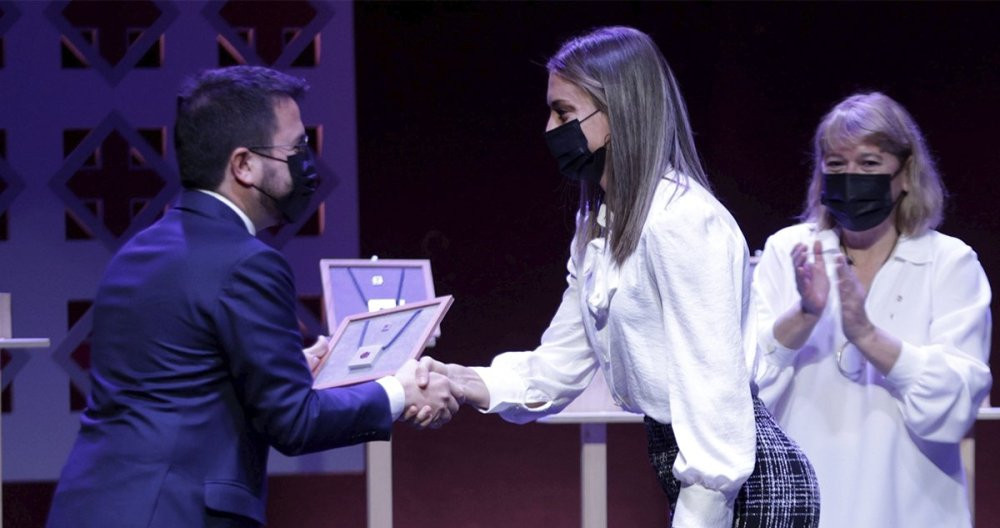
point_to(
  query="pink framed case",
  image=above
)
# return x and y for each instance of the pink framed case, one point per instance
(367, 346)
(352, 286)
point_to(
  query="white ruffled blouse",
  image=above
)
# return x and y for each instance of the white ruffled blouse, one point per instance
(670, 329)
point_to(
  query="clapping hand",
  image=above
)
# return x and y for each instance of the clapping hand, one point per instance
(810, 278)
(856, 325)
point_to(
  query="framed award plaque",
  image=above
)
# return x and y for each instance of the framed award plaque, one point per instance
(367, 346)
(353, 286)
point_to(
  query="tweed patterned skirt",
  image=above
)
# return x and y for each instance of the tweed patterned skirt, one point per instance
(782, 491)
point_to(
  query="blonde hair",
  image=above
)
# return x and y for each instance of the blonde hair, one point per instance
(629, 80)
(876, 119)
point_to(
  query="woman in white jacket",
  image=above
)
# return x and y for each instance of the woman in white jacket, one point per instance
(658, 297)
(874, 327)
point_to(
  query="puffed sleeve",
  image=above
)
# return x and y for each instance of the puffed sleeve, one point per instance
(524, 386)
(256, 327)
(698, 265)
(942, 383)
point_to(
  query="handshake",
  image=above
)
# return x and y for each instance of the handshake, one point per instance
(433, 390)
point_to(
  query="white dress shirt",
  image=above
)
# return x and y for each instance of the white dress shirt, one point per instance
(885, 448)
(392, 386)
(239, 212)
(668, 329)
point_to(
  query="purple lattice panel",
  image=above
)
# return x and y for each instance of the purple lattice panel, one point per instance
(86, 160)
(277, 34)
(114, 182)
(112, 37)
(10, 185)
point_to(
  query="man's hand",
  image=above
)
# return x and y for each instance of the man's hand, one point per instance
(431, 398)
(317, 351)
(473, 389)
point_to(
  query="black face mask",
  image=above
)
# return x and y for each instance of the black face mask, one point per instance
(305, 180)
(568, 145)
(858, 202)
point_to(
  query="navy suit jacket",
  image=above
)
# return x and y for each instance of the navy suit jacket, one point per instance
(196, 369)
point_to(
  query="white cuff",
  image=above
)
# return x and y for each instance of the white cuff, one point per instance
(701, 507)
(907, 369)
(397, 396)
(773, 351)
(506, 388)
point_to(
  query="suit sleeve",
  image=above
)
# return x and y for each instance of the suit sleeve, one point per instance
(257, 330)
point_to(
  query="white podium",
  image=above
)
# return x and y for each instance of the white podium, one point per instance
(593, 410)
(8, 342)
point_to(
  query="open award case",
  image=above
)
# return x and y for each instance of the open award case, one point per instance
(370, 345)
(352, 286)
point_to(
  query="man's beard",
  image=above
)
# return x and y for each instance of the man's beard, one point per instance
(268, 185)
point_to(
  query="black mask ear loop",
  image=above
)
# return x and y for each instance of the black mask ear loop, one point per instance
(607, 139)
(589, 116)
(259, 189)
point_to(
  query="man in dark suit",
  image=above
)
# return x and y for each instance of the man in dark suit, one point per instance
(197, 366)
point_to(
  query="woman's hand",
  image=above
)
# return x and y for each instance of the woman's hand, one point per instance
(810, 278)
(474, 391)
(431, 398)
(793, 328)
(857, 328)
(880, 348)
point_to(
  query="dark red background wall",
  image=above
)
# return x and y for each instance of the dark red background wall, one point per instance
(453, 168)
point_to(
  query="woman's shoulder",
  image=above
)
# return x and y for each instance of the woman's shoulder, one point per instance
(680, 202)
(942, 241)
(793, 234)
(689, 218)
(935, 245)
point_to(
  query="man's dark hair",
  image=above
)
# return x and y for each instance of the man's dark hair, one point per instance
(222, 109)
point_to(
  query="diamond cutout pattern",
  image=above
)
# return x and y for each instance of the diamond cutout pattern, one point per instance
(8, 15)
(119, 63)
(79, 357)
(10, 185)
(73, 353)
(114, 183)
(269, 33)
(11, 362)
(111, 37)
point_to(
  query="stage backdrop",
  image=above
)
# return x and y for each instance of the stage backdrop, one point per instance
(453, 168)
(88, 92)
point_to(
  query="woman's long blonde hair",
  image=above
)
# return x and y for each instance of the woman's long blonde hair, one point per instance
(876, 119)
(629, 80)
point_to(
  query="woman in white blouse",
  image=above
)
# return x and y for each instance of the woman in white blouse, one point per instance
(875, 328)
(658, 297)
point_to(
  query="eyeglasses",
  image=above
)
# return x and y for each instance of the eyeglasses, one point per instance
(301, 147)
